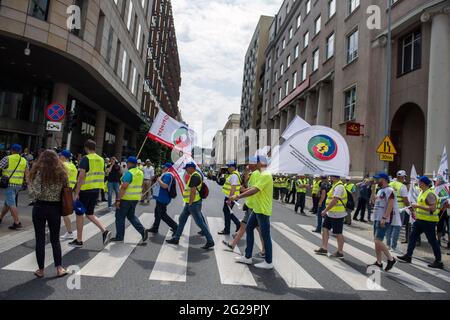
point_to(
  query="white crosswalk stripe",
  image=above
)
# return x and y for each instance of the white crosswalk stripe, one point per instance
(108, 262)
(344, 272)
(28, 263)
(401, 276)
(231, 273)
(171, 264)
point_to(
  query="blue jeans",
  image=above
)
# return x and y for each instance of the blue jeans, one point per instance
(392, 235)
(195, 210)
(127, 210)
(228, 216)
(11, 193)
(112, 186)
(264, 224)
(319, 217)
(429, 228)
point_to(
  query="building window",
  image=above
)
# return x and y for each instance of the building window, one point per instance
(306, 40)
(124, 66)
(296, 52)
(352, 46)
(308, 6)
(133, 81)
(282, 70)
(330, 46)
(315, 65)
(291, 33)
(331, 8)
(100, 29)
(280, 94)
(410, 52)
(317, 25)
(138, 38)
(294, 80)
(275, 77)
(284, 44)
(352, 5)
(304, 70)
(350, 104)
(286, 88)
(299, 21)
(130, 15)
(288, 61)
(266, 106)
(39, 9)
(109, 45)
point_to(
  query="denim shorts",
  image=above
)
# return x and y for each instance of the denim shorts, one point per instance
(378, 232)
(10, 196)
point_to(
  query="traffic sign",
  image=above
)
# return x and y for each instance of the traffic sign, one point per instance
(386, 157)
(54, 126)
(55, 112)
(387, 147)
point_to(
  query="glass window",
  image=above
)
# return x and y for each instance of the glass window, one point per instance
(294, 80)
(296, 51)
(410, 54)
(350, 104)
(352, 5)
(286, 90)
(304, 70)
(288, 61)
(306, 40)
(130, 15)
(299, 21)
(330, 46)
(308, 6)
(315, 60)
(352, 46)
(39, 9)
(331, 8)
(317, 25)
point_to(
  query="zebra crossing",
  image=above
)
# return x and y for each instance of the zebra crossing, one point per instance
(172, 262)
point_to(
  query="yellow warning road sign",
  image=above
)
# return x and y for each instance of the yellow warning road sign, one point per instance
(387, 147)
(386, 157)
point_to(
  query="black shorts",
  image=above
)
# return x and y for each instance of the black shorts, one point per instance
(335, 224)
(89, 200)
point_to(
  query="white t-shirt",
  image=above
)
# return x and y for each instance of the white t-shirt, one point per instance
(339, 192)
(234, 180)
(149, 173)
(404, 192)
(381, 203)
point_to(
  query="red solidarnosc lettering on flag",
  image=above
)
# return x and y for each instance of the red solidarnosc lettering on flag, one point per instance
(163, 125)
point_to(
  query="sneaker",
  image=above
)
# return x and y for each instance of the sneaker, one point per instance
(145, 236)
(321, 252)
(67, 236)
(223, 233)
(264, 265)
(228, 245)
(106, 237)
(405, 258)
(152, 230)
(208, 245)
(316, 231)
(364, 221)
(337, 255)
(173, 241)
(436, 265)
(390, 264)
(15, 226)
(75, 243)
(376, 264)
(116, 240)
(244, 260)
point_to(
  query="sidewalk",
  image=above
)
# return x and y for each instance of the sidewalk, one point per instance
(365, 230)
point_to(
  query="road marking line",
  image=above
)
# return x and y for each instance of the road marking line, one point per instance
(16, 239)
(402, 277)
(107, 263)
(171, 264)
(343, 271)
(441, 274)
(28, 263)
(230, 272)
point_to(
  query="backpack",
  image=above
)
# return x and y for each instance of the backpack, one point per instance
(173, 188)
(350, 201)
(204, 191)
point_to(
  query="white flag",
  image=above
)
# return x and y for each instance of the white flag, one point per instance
(443, 167)
(296, 125)
(413, 174)
(314, 150)
(180, 173)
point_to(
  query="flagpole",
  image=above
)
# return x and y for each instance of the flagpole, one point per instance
(142, 147)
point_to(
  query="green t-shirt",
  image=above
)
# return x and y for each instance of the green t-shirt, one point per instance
(251, 183)
(262, 201)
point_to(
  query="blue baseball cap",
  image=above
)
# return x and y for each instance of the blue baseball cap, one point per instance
(132, 160)
(190, 165)
(425, 179)
(66, 154)
(16, 148)
(79, 208)
(232, 164)
(168, 165)
(381, 175)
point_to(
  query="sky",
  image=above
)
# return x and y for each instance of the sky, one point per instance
(213, 37)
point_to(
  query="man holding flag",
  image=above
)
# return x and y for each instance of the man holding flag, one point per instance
(231, 187)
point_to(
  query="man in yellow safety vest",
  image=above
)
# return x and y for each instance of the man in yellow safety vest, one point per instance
(72, 172)
(231, 187)
(301, 185)
(129, 195)
(15, 168)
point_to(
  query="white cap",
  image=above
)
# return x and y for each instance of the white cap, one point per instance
(401, 173)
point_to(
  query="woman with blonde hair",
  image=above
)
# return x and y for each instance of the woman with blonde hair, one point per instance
(46, 180)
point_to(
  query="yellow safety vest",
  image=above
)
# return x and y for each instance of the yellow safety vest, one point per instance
(426, 215)
(95, 178)
(349, 187)
(134, 190)
(187, 190)
(340, 205)
(397, 186)
(19, 174)
(72, 173)
(226, 189)
(298, 183)
(316, 187)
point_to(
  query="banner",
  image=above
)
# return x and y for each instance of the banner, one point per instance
(314, 150)
(172, 133)
(443, 192)
(180, 174)
(443, 166)
(296, 125)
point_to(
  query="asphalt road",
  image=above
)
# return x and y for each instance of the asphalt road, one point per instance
(157, 271)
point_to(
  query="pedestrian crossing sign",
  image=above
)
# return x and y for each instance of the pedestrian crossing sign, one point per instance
(387, 147)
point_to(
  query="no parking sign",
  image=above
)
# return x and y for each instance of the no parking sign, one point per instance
(55, 112)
